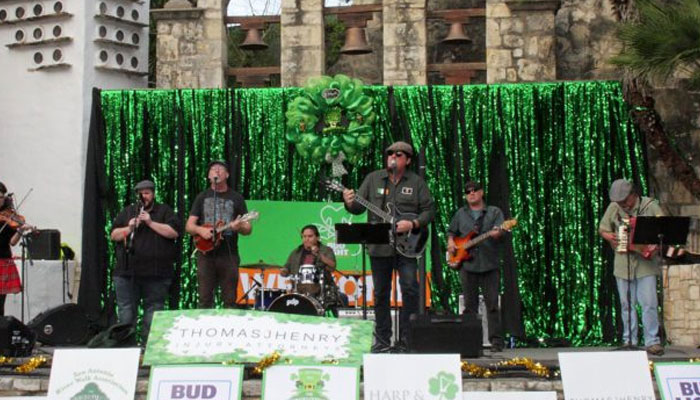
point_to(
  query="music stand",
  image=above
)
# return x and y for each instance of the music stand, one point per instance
(363, 234)
(661, 231)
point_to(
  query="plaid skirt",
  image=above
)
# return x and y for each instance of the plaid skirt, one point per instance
(9, 278)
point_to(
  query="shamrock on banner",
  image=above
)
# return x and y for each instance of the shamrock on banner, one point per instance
(331, 121)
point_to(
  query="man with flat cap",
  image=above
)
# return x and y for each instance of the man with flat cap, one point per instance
(145, 234)
(215, 206)
(409, 193)
(482, 270)
(634, 271)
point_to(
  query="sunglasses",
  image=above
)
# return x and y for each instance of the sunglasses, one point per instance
(396, 153)
(470, 191)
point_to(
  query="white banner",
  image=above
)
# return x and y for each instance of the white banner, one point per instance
(606, 375)
(93, 374)
(206, 382)
(412, 376)
(509, 396)
(311, 382)
(678, 380)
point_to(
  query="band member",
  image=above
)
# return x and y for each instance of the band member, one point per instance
(12, 229)
(408, 193)
(641, 278)
(145, 234)
(313, 252)
(481, 272)
(218, 205)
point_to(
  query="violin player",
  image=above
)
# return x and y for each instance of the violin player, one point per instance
(12, 226)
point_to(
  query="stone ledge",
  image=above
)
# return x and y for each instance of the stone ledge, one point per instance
(533, 5)
(176, 13)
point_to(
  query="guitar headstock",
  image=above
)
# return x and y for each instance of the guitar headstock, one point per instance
(509, 224)
(250, 216)
(334, 185)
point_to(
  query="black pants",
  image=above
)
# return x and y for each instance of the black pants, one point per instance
(489, 282)
(2, 304)
(217, 270)
(382, 268)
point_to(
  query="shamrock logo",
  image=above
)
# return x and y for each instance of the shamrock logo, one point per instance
(444, 385)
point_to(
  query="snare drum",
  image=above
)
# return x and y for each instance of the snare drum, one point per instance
(296, 303)
(307, 280)
(270, 296)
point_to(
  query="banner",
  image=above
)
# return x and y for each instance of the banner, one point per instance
(203, 336)
(210, 382)
(678, 380)
(311, 382)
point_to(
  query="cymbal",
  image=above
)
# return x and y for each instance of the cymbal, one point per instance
(260, 265)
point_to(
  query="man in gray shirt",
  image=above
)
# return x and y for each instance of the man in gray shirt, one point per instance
(408, 193)
(482, 270)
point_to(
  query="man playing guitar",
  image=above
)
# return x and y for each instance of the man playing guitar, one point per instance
(408, 193)
(218, 206)
(481, 270)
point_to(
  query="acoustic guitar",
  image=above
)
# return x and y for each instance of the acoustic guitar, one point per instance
(471, 240)
(206, 245)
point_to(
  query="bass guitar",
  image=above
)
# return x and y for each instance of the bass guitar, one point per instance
(464, 243)
(410, 244)
(206, 245)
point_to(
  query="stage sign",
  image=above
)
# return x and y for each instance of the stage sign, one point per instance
(312, 382)
(678, 380)
(200, 336)
(606, 375)
(509, 396)
(94, 374)
(206, 382)
(278, 231)
(412, 376)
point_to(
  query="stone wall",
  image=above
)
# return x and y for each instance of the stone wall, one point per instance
(405, 42)
(302, 41)
(682, 305)
(190, 45)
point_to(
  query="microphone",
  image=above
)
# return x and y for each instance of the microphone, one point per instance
(216, 179)
(10, 195)
(392, 165)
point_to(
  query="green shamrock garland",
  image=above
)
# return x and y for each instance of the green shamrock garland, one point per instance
(331, 121)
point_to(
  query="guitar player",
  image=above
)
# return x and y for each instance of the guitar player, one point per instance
(481, 271)
(218, 206)
(409, 193)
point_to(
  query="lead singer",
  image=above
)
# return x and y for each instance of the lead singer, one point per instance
(408, 192)
(218, 267)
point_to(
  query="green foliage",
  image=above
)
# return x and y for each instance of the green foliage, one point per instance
(334, 30)
(663, 42)
(238, 57)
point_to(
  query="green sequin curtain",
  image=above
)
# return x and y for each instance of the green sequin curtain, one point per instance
(561, 145)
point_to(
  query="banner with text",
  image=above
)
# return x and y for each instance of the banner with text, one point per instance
(509, 395)
(412, 376)
(678, 380)
(196, 336)
(311, 382)
(206, 382)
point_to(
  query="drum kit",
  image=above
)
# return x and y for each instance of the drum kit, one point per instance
(313, 292)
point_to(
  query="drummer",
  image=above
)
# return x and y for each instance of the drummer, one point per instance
(313, 252)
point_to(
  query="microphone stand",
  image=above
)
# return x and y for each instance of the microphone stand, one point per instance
(24, 243)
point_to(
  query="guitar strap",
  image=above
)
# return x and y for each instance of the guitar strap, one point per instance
(479, 223)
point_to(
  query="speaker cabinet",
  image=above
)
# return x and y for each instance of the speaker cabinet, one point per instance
(65, 325)
(16, 339)
(446, 334)
(45, 245)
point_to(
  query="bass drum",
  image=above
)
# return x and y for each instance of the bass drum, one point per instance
(296, 303)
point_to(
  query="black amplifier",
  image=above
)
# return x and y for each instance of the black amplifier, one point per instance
(446, 334)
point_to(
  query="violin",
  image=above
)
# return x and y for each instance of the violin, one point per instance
(11, 219)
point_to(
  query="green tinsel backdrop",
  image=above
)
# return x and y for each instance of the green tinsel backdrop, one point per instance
(560, 144)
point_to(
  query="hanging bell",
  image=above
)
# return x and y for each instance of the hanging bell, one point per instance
(456, 34)
(253, 40)
(355, 42)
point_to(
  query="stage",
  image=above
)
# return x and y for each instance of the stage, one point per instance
(505, 378)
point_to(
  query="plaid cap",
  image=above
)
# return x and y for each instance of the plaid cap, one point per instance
(217, 162)
(401, 146)
(620, 189)
(145, 184)
(472, 185)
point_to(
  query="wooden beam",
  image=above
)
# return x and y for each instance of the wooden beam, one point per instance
(457, 13)
(353, 9)
(452, 67)
(252, 71)
(258, 19)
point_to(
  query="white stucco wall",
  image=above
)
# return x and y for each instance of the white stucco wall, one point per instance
(45, 115)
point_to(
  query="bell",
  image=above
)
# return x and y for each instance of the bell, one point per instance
(456, 34)
(355, 42)
(253, 41)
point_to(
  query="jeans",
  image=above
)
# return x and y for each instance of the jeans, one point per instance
(489, 282)
(642, 291)
(217, 270)
(382, 268)
(152, 290)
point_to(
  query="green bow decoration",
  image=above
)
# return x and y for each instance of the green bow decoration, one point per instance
(331, 120)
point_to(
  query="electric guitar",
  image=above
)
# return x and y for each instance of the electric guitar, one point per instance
(464, 243)
(410, 244)
(206, 245)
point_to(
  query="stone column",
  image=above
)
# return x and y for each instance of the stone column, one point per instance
(682, 304)
(302, 41)
(520, 40)
(191, 44)
(405, 42)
